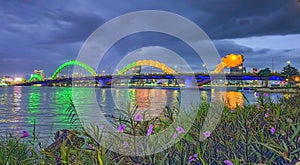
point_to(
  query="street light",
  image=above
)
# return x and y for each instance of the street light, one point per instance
(288, 62)
(204, 66)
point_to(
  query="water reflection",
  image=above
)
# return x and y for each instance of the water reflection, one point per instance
(233, 99)
(21, 106)
(16, 102)
(34, 105)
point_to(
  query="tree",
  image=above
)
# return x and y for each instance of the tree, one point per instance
(289, 71)
(266, 74)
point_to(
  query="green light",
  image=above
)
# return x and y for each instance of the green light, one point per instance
(73, 62)
(34, 105)
(35, 77)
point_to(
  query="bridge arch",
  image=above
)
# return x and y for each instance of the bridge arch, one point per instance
(152, 63)
(35, 77)
(74, 62)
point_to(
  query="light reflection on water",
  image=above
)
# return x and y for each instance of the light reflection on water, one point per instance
(20, 107)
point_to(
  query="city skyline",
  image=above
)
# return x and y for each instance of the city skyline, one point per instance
(39, 35)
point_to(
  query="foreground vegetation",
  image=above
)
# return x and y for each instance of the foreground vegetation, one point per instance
(264, 133)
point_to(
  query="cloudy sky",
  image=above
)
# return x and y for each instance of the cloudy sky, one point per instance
(45, 34)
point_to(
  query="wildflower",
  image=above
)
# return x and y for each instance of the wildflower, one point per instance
(193, 158)
(180, 129)
(227, 162)
(149, 130)
(25, 134)
(102, 126)
(257, 94)
(207, 134)
(268, 109)
(91, 146)
(121, 128)
(266, 115)
(258, 106)
(138, 117)
(174, 136)
(265, 95)
(272, 130)
(232, 111)
(282, 106)
(125, 144)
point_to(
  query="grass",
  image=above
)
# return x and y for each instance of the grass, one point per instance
(242, 136)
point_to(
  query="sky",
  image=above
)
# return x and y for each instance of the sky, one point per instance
(46, 34)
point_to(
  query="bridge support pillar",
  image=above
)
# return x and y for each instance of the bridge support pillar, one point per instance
(104, 82)
(190, 82)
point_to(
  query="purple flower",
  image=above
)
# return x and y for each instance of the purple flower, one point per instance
(180, 129)
(138, 117)
(149, 130)
(265, 95)
(268, 109)
(193, 158)
(227, 162)
(207, 134)
(125, 144)
(195, 155)
(174, 136)
(266, 115)
(272, 130)
(232, 110)
(257, 94)
(281, 106)
(91, 146)
(121, 128)
(25, 134)
(258, 106)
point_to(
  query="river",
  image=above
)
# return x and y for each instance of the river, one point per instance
(21, 107)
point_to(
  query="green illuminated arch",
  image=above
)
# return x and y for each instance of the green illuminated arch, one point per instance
(152, 63)
(73, 62)
(35, 77)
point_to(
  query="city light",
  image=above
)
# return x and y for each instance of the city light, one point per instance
(18, 79)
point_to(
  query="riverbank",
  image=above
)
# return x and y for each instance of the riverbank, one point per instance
(295, 90)
(263, 133)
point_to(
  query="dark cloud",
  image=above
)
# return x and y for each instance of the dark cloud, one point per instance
(236, 19)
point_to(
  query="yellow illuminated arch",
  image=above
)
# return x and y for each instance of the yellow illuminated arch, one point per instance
(152, 63)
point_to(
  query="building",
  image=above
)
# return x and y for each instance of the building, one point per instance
(40, 72)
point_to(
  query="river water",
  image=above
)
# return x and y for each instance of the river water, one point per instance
(21, 107)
